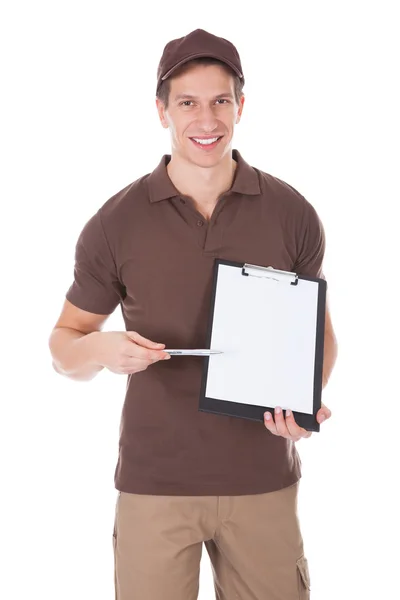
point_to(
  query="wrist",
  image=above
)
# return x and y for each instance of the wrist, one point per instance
(91, 344)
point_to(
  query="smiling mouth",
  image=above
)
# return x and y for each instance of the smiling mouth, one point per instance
(206, 143)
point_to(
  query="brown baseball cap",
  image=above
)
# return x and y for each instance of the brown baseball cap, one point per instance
(197, 44)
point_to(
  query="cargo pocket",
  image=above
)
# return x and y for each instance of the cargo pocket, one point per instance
(303, 577)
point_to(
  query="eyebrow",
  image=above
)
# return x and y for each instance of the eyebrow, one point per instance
(190, 97)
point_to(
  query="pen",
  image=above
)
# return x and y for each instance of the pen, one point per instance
(202, 352)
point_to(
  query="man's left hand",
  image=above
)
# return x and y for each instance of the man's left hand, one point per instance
(287, 427)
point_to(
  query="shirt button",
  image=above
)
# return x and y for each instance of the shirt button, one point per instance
(200, 223)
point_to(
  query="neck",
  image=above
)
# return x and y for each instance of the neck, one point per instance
(203, 185)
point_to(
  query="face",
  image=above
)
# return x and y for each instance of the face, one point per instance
(202, 106)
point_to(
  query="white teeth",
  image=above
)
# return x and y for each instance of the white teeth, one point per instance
(206, 142)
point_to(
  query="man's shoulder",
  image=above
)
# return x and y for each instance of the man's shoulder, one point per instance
(271, 184)
(126, 200)
(282, 193)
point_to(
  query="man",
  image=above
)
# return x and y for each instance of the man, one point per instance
(186, 477)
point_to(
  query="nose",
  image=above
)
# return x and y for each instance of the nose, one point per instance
(207, 120)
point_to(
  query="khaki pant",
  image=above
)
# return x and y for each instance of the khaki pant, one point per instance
(254, 543)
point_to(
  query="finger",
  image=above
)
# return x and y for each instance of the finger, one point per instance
(271, 426)
(326, 410)
(142, 341)
(294, 430)
(323, 414)
(141, 353)
(280, 423)
(136, 365)
(269, 423)
(132, 370)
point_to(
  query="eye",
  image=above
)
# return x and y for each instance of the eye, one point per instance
(187, 103)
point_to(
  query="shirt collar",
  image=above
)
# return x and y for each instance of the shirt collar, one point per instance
(161, 187)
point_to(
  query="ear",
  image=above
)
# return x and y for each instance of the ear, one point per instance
(161, 113)
(240, 110)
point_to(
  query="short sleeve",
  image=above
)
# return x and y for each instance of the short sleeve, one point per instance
(96, 287)
(311, 245)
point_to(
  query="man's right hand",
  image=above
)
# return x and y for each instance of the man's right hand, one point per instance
(126, 352)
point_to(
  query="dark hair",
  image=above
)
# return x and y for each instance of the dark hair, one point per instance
(164, 89)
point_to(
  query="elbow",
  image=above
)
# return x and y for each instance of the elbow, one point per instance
(56, 368)
(73, 375)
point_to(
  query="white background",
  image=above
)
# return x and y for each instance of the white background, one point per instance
(78, 124)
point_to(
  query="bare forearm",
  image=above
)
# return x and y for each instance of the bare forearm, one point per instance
(330, 355)
(73, 353)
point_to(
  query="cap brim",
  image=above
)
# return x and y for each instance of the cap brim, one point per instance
(201, 55)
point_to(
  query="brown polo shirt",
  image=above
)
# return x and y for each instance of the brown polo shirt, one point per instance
(148, 250)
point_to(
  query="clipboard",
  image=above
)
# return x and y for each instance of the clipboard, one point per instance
(269, 325)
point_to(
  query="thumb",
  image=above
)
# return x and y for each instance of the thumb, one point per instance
(323, 414)
(142, 341)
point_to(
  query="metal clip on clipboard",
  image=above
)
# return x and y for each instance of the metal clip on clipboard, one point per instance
(270, 273)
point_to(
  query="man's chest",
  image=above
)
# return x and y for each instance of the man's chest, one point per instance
(167, 265)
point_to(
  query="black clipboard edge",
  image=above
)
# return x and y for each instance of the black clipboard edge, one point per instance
(256, 412)
(252, 412)
(319, 345)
